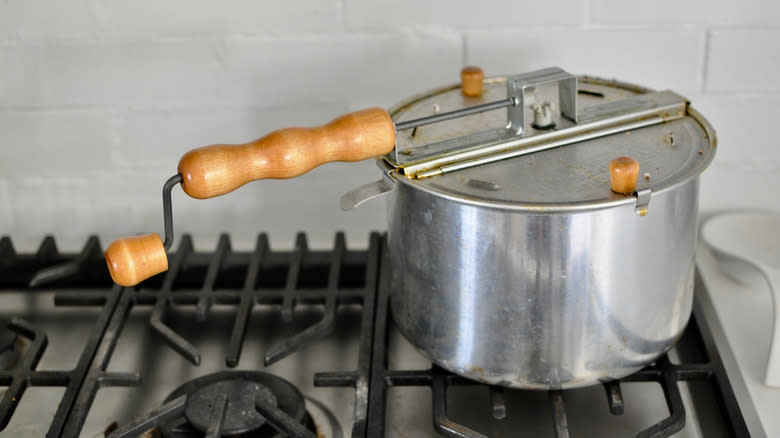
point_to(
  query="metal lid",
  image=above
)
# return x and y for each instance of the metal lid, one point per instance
(568, 164)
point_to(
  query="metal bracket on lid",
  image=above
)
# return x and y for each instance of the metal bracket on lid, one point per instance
(642, 201)
(518, 86)
(523, 134)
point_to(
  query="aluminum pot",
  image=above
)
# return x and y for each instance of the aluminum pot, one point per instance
(527, 250)
(530, 272)
(553, 300)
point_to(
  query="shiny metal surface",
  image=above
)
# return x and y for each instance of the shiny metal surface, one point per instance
(530, 272)
(463, 112)
(542, 301)
(576, 177)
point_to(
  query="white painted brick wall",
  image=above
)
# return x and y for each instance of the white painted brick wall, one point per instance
(193, 17)
(743, 60)
(668, 58)
(54, 143)
(99, 98)
(703, 12)
(27, 20)
(395, 14)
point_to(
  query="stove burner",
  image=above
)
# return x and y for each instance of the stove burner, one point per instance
(243, 394)
(9, 354)
(240, 414)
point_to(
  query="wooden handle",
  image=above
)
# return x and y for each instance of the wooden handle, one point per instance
(132, 260)
(623, 173)
(471, 81)
(218, 169)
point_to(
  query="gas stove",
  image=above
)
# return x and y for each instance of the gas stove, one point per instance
(293, 343)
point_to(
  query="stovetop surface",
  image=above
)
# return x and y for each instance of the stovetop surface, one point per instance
(321, 318)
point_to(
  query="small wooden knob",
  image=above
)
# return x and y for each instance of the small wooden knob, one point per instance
(623, 173)
(471, 81)
(132, 260)
(218, 169)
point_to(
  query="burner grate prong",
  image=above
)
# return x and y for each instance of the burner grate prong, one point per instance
(262, 248)
(90, 252)
(217, 418)
(7, 252)
(288, 300)
(441, 423)
(325, 326)
(281, 421)
(560, 422)
(676, 419)
(498, 401)
(168, 411)
(206, 296)
(176, 341)
(614, 398)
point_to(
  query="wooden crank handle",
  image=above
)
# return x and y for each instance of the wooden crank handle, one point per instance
(218, 169)
(132, 260)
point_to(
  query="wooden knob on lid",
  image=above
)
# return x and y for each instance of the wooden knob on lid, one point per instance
(623, 173)
(471, 81)
(132, 260)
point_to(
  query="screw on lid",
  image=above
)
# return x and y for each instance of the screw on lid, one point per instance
(550, 176)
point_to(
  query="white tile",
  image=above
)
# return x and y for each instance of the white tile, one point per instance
(743, 60)
(354, 68)
(46, 20)
(653, 58)
(44, 205)
(159, 138)
(36, 143)
(744, 126)
(151, 17)
(666, 12)
(394, 14)
(262, 72)
(184, 72)
(726, 186)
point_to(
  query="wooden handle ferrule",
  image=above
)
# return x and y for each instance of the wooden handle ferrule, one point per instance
(132, 260)
(218, 169)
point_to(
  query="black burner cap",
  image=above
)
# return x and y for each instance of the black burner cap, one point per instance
(241, 417)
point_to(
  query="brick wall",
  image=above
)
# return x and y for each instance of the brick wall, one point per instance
(99, 98)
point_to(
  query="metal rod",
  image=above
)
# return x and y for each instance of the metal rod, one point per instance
(168, 210)
(436, 118)
(281, 421)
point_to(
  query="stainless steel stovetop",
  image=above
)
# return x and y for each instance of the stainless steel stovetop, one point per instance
(320, 320)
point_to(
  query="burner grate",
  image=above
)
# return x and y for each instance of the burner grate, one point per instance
(81, 383)
(329, 279)
(263, 282)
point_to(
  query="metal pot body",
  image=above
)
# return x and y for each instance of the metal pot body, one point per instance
(542, 300)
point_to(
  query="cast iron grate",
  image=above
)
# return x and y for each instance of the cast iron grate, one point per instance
(194, 280)
(329, 279)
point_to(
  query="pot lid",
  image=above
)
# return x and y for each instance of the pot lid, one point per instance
(554, 151)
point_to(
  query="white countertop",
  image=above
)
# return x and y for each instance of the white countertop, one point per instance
(744, 313)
